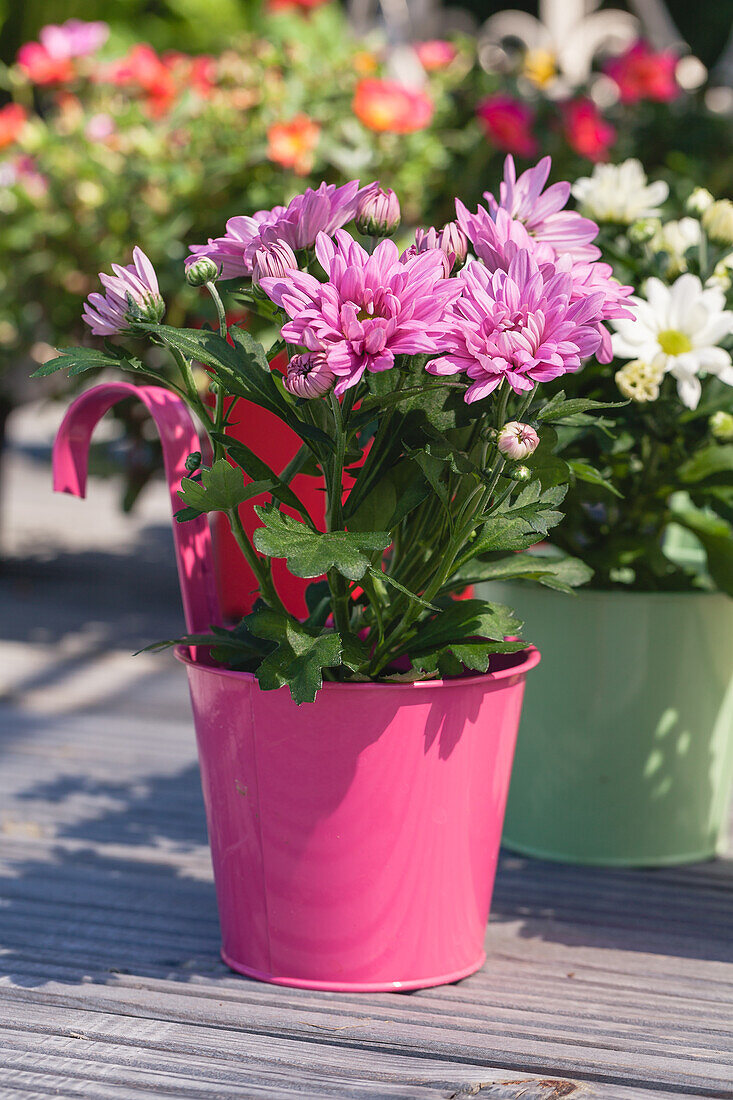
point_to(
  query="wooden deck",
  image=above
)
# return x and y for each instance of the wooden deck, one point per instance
(617, 985)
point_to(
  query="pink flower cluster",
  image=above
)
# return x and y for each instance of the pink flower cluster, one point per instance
(321, 211)
(529, 308)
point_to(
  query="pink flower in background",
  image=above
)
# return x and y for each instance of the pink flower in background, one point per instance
(518, 325)
(642, 73)
(41, 68)
(100, 127)
(586, 130)
(542, 212)
(371, 309)
(131, 294)
(321, 211)
(508, 123)
(74, 38)
(435, 54)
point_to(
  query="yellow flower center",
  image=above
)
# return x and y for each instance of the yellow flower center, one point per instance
(539, 66)
(674, 342)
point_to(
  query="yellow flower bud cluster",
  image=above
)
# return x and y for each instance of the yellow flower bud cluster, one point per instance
(639, 381)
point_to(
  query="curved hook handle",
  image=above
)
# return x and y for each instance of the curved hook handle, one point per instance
(179, 438)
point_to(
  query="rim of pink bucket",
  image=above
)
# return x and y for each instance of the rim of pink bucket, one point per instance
(531, 660)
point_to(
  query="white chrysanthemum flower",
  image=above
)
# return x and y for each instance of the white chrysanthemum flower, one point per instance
(677, 330)
(619, 193)
(721, 276)
(699, 200)
(676, 238)
(639, 381)
(718, 221)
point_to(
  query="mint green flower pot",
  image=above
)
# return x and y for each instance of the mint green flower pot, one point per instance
(625, 750)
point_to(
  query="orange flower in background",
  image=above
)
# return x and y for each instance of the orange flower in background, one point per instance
(291, 144)
(388, 106)
(13, 118)
(365, 63)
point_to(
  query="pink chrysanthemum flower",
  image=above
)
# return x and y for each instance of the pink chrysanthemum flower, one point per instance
(324, 210)
(495, 240)
(371, 309)
(230, 251)
(595, 278)
(543, 213)
(309, 375)
(131, 294)
(520, 325)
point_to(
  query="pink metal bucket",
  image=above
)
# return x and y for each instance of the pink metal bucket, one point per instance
(354, 840)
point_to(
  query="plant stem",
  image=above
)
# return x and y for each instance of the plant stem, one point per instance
(220, 311)
(259, 568)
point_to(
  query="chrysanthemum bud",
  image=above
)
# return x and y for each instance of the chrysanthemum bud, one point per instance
(718, 221)
(202, 271)
(454, 242)
(699, 201)
(309, 375)
(273, 261)
(643, 229)
(377, 212)
(193, 461)
(517, 441)
(520, 473)
(721, 426)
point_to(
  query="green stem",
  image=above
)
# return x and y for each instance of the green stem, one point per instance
(260, 569)
(220, 311)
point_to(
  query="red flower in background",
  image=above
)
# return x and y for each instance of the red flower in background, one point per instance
(41, 67)
(284, 5)
(13, 118)
(641, 73)
(388, 106)
(145, 70)
(435, 54)
(586, 130)
(291, 144)
(508, 124)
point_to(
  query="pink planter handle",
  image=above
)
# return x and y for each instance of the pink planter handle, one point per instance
(179, 438)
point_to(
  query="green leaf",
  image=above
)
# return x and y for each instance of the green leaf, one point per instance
(519, 524)
(453, 659)
(464, 620)
(220, 489)
(379, 575)
(583, 471)
(79, 360)
(559, 408)
(298, 659)
(311, 553)
(255, 468)
(708, 462)
(717, 538)
(563, 574)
